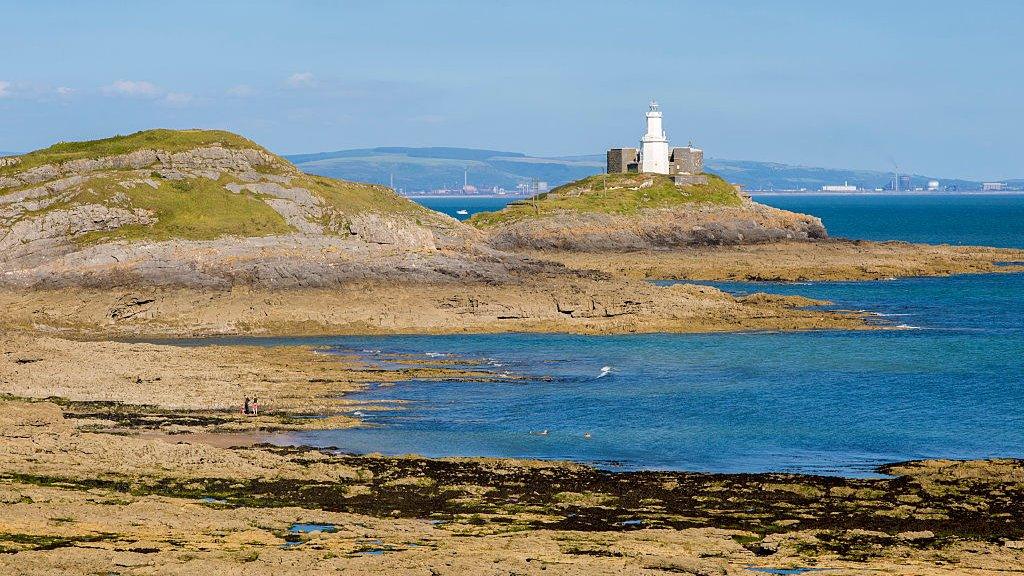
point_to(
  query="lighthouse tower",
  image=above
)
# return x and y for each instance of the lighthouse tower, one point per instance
(654, 144)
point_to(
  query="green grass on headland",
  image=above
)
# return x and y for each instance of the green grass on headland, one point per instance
(159, 139)
(625, 194)
(356, 197)
(197, 209)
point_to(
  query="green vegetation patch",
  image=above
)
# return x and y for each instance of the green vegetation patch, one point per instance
(160, 139)
(12, 543)
(625, 194)
(354, 197)
(197, 209)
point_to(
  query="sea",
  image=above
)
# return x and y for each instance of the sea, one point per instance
(949, 383)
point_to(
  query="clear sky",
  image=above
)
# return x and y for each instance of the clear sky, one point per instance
(935, 85)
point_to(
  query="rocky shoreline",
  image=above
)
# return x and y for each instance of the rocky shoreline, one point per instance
(580, 305)
(130, 457)
(827, 260)
(112, 464)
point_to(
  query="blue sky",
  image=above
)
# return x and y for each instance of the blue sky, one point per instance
(936, 86)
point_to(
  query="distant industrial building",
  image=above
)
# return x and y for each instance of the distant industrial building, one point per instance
(685, 165)
(933, 185)
(993, 186)
(844, 187)
(900, 183)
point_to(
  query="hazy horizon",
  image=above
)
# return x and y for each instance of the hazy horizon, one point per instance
(929, 85)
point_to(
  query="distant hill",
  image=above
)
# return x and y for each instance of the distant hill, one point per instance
(421, 169)
(774, 176)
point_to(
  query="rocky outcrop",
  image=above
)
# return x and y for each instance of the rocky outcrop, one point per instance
(291, 261)
(14, 204)
(332, 231)
(33, 241)
(395, 232)
(693, 225)
(301, 209)
(208, 161)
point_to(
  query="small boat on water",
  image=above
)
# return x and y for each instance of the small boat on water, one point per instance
(462, 212)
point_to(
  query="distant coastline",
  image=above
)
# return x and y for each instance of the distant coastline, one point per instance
(886, 193)
(762, 193)
(465, 196)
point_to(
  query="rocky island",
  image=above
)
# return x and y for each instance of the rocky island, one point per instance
(647, 226)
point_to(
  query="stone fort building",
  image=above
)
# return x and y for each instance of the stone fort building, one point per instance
(684, 165)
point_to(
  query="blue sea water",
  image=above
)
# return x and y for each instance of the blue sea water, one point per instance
(949, 383)
(451, 205)
(966, 219)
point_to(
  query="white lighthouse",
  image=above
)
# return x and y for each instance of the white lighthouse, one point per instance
(654, 155)
(684, 165)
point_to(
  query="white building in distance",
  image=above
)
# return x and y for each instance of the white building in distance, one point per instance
(844, 187)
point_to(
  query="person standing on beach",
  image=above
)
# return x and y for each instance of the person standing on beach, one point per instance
(245, 407)
(255, 406)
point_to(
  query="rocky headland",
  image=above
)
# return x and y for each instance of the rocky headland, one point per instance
(211, 209)
(204, 232)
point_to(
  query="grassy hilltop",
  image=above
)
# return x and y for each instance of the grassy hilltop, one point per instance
(190, 205)
(157, 139)
(624, 194)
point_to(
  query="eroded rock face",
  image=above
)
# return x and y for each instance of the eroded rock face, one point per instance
(698, 225)
(208, 160)
(33, 241)
(299, 207)
(395, 232)
(291, 261)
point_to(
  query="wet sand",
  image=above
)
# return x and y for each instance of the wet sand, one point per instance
(135, 457)
(130, 476)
